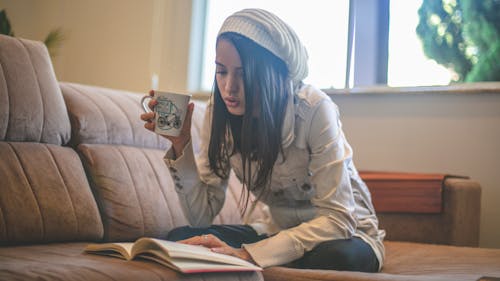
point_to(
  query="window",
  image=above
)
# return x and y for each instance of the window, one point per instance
(327, 59)
(408, 65)
(385, 48)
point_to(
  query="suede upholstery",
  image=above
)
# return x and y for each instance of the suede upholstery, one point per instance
(43, 188)
(410, 262)
(66, 262)
(130, 186)
(99, 115)
(105, 180)
(109, 182)
(31, 105)
(455, 225)
(43, 185)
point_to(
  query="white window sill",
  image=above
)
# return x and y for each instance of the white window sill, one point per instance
(459, 88)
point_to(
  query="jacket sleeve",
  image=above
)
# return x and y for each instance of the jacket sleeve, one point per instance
(330, 156)
(201, 193)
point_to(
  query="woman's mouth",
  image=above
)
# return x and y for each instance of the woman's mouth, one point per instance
(231, 102)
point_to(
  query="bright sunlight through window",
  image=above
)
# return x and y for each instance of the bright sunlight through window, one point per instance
(320, 24)
(408, 66)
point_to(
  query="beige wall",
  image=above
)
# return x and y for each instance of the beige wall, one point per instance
(432, 132)
(111, 43)
(121, 43)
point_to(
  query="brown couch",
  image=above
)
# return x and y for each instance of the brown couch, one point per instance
(77, 166)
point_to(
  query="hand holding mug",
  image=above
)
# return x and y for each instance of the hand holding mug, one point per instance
(169, 114)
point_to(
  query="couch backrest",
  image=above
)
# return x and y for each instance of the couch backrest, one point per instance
(31, 105)
(44, 193)
(104, 116)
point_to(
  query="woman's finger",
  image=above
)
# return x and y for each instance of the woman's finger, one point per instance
(207, 240)
(148, 117)
(150, 126)
(195, 240)
(223, 250)
(152, 103)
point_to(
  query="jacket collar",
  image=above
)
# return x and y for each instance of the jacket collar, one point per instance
(288, 130)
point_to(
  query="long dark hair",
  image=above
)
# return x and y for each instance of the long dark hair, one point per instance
(257, 134)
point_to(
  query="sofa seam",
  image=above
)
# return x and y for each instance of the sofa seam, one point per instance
(95, 104)
(159, 184)
(66, 189)
(124, 113)
(134, 187)
(40, 138)
(8, 102)
(4, 220)
(31, 188)
(131, 99)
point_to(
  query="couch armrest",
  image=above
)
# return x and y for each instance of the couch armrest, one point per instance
(462, 208)
(457, 224)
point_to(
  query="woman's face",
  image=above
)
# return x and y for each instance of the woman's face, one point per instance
(229, 77)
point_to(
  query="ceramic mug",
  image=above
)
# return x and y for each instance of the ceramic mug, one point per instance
(170, 111)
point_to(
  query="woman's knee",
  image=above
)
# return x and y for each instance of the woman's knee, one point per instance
(330, 258)
(346, 260)
(347, 255)
(180, 233)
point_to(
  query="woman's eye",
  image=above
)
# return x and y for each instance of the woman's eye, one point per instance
(221, 72)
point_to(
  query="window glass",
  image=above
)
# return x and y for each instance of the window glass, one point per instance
(320, 24)
(408, 66)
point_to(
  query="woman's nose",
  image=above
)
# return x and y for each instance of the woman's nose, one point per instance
(232, 84)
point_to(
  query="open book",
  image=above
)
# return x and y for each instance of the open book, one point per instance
(181, 257)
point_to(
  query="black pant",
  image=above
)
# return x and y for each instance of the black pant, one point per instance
(345, 254)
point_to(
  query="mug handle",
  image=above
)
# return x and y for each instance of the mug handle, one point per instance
(145, 105)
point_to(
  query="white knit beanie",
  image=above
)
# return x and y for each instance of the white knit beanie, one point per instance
(272, 33)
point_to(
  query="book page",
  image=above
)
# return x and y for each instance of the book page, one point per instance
(197, 266)
(119, 250)
(173, 251)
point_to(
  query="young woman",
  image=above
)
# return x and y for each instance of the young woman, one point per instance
(284, 141)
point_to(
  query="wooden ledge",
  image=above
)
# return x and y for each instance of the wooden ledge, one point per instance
(394, 192)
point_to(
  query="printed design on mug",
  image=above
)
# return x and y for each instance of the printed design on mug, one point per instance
(168, 114)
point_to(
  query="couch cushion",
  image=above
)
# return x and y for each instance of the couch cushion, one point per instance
(45, 196)
(412, 262)
(133, 189)
(31, 105)
(67, 262)
(457, 263)
(106, 116)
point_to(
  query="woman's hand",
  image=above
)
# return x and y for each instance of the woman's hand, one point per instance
(218, 246)
(178, 143)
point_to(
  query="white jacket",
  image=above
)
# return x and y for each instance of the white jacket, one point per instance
(316, 194)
